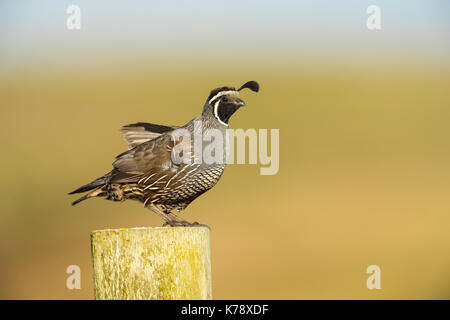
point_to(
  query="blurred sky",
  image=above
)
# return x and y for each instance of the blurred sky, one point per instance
(34, 33)
(364, 151)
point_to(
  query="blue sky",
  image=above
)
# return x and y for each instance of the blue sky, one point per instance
(37, 29)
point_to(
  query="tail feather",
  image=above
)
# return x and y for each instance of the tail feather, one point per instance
(97, 184)
(95, 193)
(86, 196)
(92, 185)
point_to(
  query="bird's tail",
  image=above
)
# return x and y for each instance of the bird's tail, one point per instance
(97, 184)
(96, 193)
(92, 185)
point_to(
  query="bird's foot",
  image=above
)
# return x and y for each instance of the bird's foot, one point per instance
(184, 223)
(196, 224)
(176, 223)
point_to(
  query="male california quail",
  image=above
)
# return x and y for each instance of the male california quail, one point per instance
(148, 172)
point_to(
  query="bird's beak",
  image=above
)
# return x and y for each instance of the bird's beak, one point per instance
(239, 102)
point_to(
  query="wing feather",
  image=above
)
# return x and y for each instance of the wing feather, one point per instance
(140, 132)
(149, 164)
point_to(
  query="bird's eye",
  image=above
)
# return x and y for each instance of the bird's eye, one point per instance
(224, 99)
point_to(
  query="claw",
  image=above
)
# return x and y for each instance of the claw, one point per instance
(183, 223)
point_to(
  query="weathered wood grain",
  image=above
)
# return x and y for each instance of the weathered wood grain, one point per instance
(152, 263)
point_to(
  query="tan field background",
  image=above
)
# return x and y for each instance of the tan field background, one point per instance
(364, 172)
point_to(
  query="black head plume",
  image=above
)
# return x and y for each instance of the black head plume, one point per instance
(252, 85)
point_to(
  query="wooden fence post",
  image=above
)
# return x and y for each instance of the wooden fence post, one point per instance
(152, 263)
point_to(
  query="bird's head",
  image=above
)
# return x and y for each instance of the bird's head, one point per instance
(224, 101)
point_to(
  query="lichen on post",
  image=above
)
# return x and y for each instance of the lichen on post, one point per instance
(152, 263)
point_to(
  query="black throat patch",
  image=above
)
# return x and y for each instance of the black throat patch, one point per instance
(225, 111)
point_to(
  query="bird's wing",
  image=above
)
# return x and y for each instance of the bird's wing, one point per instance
(148, 163)
(138, 133)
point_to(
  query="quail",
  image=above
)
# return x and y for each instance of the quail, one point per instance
(149, 173)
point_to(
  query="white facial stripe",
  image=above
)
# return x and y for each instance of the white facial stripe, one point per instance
(216, 106)
(222, 93)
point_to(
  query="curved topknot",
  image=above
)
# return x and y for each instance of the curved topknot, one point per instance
(252, 85)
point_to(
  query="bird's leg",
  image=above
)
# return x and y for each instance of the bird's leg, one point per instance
(173, 220)
(177, 221)
(160, 213)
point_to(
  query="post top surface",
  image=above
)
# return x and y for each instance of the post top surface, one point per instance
(154, 229)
